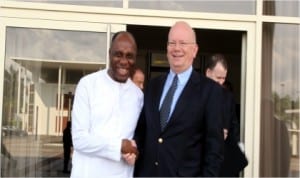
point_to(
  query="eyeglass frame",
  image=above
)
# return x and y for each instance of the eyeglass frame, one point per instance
(181, 44)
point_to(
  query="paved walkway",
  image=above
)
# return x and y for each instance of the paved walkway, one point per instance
(33, 157)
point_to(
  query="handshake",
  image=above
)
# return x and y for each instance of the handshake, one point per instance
(129, 151)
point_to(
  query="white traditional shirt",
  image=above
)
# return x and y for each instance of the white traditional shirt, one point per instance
(104, 113)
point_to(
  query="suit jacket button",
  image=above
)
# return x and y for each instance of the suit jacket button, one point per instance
(160, 140)
(156, 163)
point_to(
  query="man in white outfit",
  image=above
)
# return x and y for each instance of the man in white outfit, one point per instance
(105, 112)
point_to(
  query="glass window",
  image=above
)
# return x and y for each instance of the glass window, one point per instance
(42, 68)
(282, 8)
(49, 75)
(216, 6)
(73, 76)
(280, 108)
(54, 45)
(104, 3)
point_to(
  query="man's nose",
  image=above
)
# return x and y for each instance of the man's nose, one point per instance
(124, 60)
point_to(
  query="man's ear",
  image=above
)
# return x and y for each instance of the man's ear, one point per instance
(208, 72)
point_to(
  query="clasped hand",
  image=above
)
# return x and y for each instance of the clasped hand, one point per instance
(129, 151)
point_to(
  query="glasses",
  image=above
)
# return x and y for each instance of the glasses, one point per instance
(181, 44)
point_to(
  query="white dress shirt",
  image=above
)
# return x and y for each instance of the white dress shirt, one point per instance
(104, 113)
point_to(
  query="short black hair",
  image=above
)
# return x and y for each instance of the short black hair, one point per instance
(115, 35)
(214, 59)
(119, 33)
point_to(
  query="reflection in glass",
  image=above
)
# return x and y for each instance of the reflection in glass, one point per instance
(217, 6)
(56, 44)
(42, 68)
(280, 101)
(281, 8)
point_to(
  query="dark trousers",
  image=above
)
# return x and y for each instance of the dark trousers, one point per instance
(67, 156)
(234, 159)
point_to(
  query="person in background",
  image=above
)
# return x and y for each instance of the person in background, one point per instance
(138, 77)
(180, 135)
(67, 143)
(216, 69)
(104, 116)
(228, 86)
(234, 159)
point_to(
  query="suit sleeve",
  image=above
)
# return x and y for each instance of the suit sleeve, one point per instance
(214, 143)
(234, 125)
(139, 137)
(139, 134)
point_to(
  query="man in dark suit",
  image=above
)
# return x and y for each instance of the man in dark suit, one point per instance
(189, 140)
(234, 158)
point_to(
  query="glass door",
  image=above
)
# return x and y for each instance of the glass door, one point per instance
(41, 69)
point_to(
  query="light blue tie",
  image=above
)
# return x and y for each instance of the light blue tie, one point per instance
(166, 105)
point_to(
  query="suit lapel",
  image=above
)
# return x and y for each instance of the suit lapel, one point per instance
(157, 92)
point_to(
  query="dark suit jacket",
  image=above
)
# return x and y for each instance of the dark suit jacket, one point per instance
(234, 158)
(230, 119)
(192, 142)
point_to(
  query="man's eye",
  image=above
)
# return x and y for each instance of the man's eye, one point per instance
(129, 56)
(117, 54)
(172, 43)
(182, 43)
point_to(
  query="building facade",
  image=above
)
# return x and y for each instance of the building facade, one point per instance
(46, 46)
